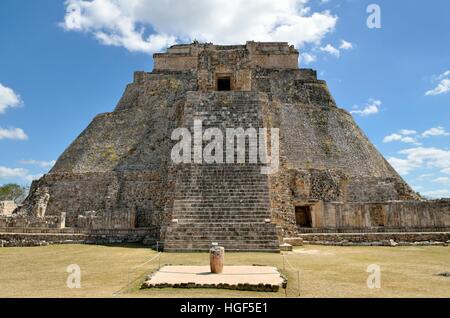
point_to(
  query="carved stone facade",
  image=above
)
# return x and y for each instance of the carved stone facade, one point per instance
(331, 177)
(212, 62)
(42, 197)
(7, 207)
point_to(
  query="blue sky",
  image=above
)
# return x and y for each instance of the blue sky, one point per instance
(61, 63)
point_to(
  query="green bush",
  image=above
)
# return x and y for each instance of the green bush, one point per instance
(12, 192)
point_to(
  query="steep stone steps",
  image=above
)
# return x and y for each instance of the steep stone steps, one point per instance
(233, 236)
(224, 203)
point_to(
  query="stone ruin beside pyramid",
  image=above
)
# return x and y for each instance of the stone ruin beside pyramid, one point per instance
(117, 178)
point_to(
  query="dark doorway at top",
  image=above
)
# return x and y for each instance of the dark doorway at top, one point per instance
(303, 216)
(224, 84)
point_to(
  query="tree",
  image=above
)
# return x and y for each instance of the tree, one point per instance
(13, 192)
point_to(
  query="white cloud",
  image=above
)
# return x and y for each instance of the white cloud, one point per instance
(443, 180)
(371, 108)
(407, 132)
(398, 137)
(8, 173)
(403, 166)
(13, 134)
(436, 194)
(18, 173)
(346, 45)
(308, 58)
(436, 131)
(331, 50)
(410, 140)
(42, 164)
(8, 99)
(443, 87)
(444, 75)
(403, 135)
(422, 158)
(391, 138)
(151, 25)
(425, 176)
(30, 178)
(428, 157)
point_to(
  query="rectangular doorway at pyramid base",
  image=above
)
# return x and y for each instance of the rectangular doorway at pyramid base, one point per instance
(303, 216)
(224, 83)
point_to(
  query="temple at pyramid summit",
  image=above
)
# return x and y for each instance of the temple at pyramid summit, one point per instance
(117, 181)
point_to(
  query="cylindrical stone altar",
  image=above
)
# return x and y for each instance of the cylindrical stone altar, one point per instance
(217, 258)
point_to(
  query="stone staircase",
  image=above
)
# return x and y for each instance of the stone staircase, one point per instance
(223, 203)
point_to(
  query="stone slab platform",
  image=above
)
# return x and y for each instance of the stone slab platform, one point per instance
(252, 278)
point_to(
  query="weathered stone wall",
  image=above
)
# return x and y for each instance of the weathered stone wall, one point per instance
(7, 207)
(234, 61)
(77, 193)
(224, 203)
(235, 64)
(277, 55)
(118, 173)
(175, 62)
(19, 237)
(25, 221)
(316, 135)
(324, 155)
(108, 219)
(377, 239)
(121, 162)
(406, 214)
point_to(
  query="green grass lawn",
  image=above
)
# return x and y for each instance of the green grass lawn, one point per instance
(324, 271)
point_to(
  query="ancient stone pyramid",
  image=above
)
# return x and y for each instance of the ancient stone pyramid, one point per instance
(118, 174)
